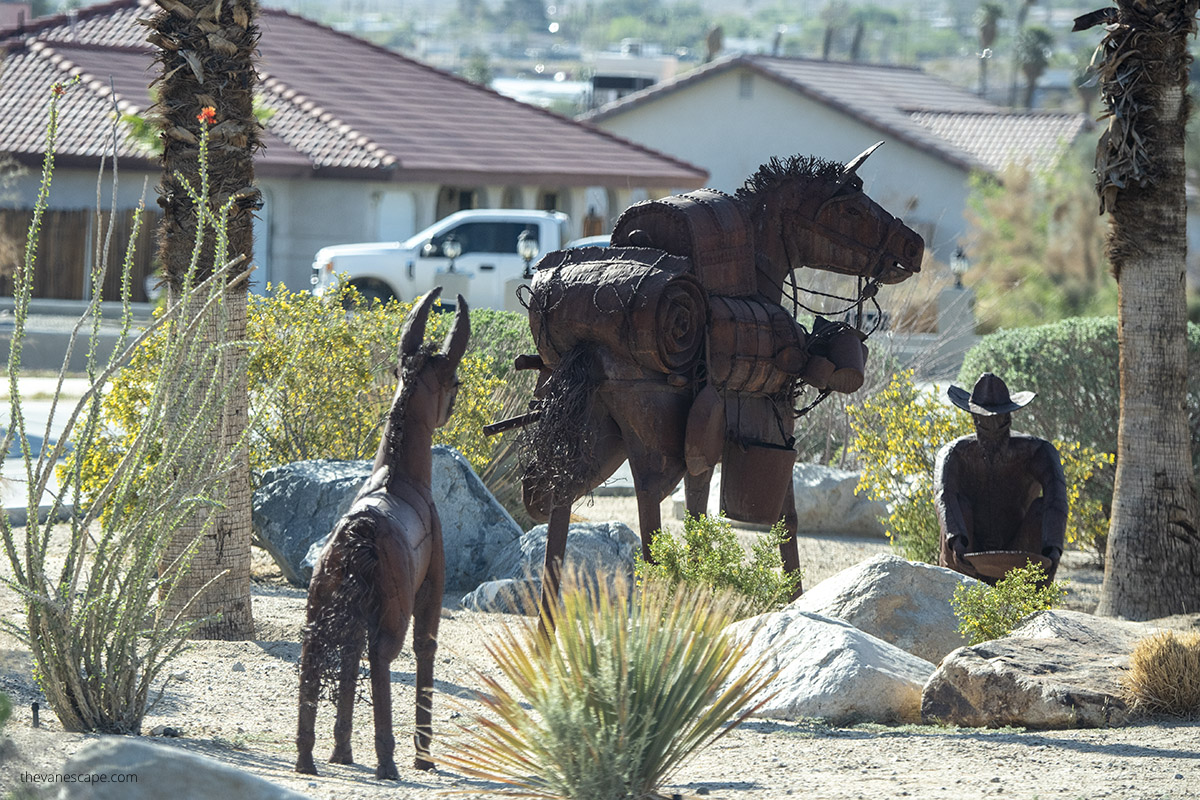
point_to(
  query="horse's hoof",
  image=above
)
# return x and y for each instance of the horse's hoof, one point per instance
(306, 767)
(341, 757)
(387, 772)
(423, 764)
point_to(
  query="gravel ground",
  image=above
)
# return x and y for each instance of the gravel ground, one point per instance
(236, 701)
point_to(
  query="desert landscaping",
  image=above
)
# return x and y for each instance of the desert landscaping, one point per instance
(236, 702)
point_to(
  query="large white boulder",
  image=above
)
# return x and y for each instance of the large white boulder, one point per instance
(1062, 669)
(825, 502)
(134, 769)
(902, 602)
(829, 669)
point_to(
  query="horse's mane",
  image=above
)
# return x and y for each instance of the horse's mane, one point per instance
(771, 175)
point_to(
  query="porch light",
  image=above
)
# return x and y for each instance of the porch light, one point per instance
(959, 264)
(527, 249)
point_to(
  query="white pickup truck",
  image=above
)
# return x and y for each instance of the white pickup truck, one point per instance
(475, 253)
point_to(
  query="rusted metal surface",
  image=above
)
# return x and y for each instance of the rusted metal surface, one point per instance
(996, 490)
(673, 348)
(384, 562)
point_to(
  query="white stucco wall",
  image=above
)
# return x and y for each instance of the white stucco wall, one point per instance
(729, 127)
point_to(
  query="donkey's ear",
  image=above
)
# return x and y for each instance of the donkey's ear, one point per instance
(414, 327)
(456, 341)
(853, 164)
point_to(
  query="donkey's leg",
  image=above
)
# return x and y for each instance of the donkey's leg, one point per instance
(382, 649)
(789, 551)
(695, 492)
(427, 613)
(556, 549)
(351, 651)
(310, 689)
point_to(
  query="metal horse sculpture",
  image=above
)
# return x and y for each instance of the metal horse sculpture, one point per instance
(672, 347)
(384, 563)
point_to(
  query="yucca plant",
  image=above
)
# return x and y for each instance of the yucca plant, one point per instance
(626, 688)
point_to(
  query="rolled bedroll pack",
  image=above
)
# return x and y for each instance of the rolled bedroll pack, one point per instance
(641, 304)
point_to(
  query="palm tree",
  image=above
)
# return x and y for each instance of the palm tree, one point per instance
(987, 17)
(1153, 557)
(208, 79)
(1033, 55)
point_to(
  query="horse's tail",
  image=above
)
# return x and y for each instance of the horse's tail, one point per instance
(339, 629)
(557, 454)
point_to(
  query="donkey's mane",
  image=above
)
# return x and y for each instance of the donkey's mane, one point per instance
(409, 367)
(774, 173)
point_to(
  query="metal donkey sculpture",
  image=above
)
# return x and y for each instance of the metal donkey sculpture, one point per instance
(672, 347)
(384, 563)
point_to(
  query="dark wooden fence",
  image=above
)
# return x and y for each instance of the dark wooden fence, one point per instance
(68, 252)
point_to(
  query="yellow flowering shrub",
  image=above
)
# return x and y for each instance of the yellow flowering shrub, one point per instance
(320, 382)
(897, 434)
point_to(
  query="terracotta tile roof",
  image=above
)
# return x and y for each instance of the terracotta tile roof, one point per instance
(897, 101)
(342, 105)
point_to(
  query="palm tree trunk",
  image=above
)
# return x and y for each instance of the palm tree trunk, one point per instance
(206, 52)
(1152, 567)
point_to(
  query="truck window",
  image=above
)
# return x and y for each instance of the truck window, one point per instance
(486, 237)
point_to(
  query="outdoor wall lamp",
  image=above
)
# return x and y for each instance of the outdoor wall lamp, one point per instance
(527, 249)
(451, 249)
(959, 264)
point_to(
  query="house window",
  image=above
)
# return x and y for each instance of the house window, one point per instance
(745, 85)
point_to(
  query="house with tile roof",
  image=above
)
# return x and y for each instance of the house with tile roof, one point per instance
(733, 114)
(363, 144)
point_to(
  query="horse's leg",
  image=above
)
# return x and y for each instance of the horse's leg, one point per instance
(382, 649)
(350, 651)
(556, 549)
(789, 551)
(695, 492)
(310, 689)
(427, 613)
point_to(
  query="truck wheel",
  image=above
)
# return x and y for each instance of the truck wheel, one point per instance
(369, 292)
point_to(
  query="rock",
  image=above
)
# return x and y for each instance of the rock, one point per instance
(593, 548)
(825, 502)
(1062, 669)
(899, 601)
(298, 504)
(160, 770)
(829, 669)
(505, 596)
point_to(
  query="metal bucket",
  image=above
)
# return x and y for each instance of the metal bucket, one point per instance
(754, 481)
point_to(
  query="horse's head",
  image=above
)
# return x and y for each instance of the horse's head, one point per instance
(809, 212)
(429, 379)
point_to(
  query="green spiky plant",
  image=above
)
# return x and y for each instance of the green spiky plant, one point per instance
(608, 707)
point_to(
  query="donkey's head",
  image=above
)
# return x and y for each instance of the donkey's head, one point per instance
(428, 378)
(809, 212)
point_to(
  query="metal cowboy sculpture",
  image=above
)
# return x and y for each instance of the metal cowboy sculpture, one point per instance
(384, 563)
(1001, 497)
(672, 348)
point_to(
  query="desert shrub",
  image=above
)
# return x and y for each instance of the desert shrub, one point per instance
(989, 612)
(93, 618)
(320, 383)
(5, 709)
(626, 688)
(1164, 674)
(709, 555)
(898, 433)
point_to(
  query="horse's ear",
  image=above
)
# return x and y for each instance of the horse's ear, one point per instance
(414, 327)
(852, 166)
(456, 341)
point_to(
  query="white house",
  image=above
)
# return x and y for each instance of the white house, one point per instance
(364, 145)
(736, 113)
